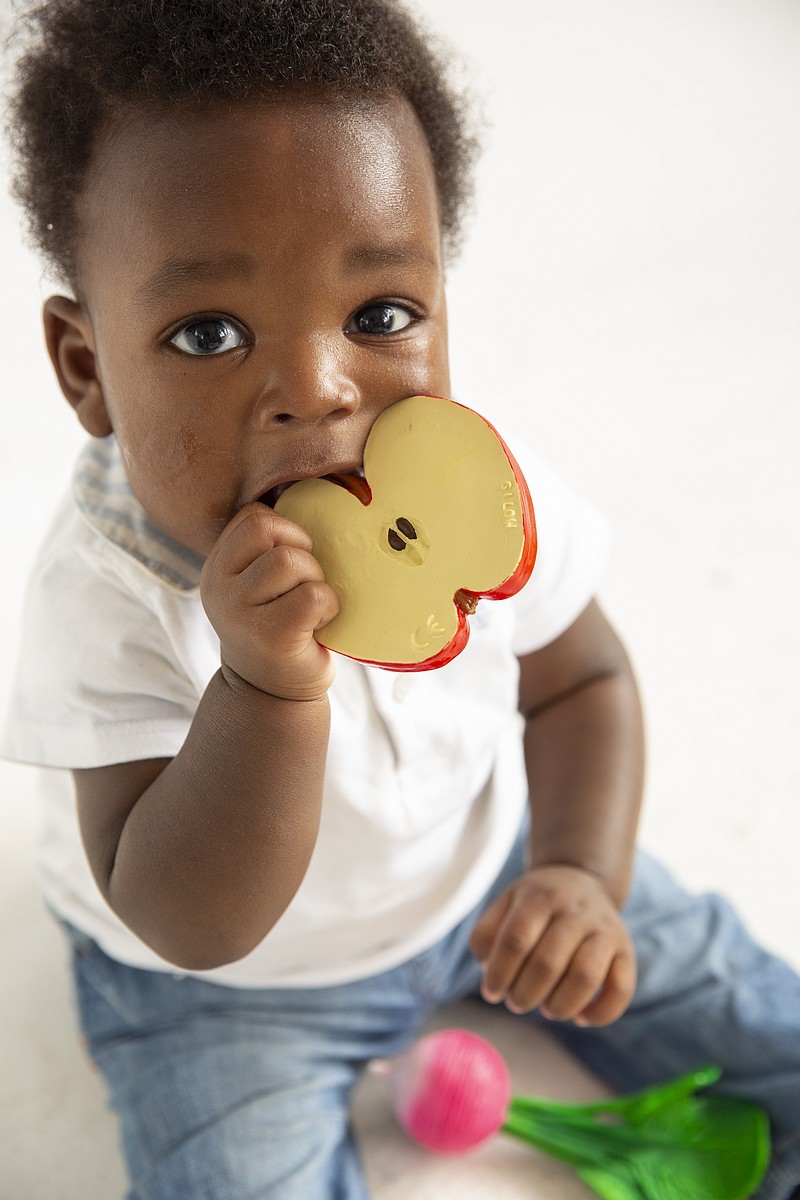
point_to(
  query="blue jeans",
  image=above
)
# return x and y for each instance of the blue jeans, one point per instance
(233, 1094)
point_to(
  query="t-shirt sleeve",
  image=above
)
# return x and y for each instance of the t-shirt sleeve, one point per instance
(573, 549)
(97, 681)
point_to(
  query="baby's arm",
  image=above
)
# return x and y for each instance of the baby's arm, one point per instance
(555, 939)
(200, 855)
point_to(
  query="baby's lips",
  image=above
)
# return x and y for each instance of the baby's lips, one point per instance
(271, 497)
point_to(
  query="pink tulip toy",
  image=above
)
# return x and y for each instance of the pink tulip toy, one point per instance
(451, 1092)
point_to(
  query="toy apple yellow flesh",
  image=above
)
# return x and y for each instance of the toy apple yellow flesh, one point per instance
(442, 517)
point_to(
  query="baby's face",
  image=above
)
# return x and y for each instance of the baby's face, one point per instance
(259, 285)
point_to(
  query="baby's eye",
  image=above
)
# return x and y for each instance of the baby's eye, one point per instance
(380, 318)
(214, 335)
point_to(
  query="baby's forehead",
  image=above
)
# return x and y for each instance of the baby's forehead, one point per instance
(300, 149)
(223, 178)
(171, 143)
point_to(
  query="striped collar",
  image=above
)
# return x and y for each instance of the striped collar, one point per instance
(105, 498)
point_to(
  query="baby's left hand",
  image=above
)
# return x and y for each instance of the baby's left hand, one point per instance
(554, 940)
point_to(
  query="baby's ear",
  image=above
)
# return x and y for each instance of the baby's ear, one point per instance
(70, 343)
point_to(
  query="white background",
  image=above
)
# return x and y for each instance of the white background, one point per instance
(631, 293)
(628, 297)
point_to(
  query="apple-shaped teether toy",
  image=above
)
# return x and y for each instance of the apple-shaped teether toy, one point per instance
(451, 1092)
(442, 517)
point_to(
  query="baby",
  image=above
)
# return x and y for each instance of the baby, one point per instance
(270, 875)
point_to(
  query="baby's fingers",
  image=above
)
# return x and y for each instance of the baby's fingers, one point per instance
(254, 531)
(615, 995)
(584, 976)
(294, 616)
(546, 965)
(274, 574)
(502, 941)
(483, 935)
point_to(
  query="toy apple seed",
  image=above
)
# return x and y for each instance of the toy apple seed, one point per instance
(442, 517)
(451, 1092)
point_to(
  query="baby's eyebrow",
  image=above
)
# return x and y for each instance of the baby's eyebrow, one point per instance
(175, 272)
(369, 258)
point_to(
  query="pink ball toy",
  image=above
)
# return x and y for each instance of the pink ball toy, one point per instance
(450, 1091)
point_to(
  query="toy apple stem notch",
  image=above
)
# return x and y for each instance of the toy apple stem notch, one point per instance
(441, 518)
(451, 1092)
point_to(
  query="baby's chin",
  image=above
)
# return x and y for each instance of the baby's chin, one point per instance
(203, 540)
(197, 535)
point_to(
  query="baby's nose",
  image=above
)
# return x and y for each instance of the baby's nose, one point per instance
(308, 380)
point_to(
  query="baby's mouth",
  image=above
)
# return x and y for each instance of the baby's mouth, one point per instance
(270, 498)
(352, 481)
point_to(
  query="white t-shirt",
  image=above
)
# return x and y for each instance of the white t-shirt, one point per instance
(425, 783)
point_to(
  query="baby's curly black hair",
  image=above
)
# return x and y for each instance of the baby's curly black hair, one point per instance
(87, 60)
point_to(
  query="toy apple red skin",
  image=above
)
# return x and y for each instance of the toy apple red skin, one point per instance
(469, 528)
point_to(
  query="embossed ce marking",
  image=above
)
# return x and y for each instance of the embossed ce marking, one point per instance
(435, 629)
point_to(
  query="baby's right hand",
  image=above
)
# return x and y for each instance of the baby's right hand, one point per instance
(265, 594)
